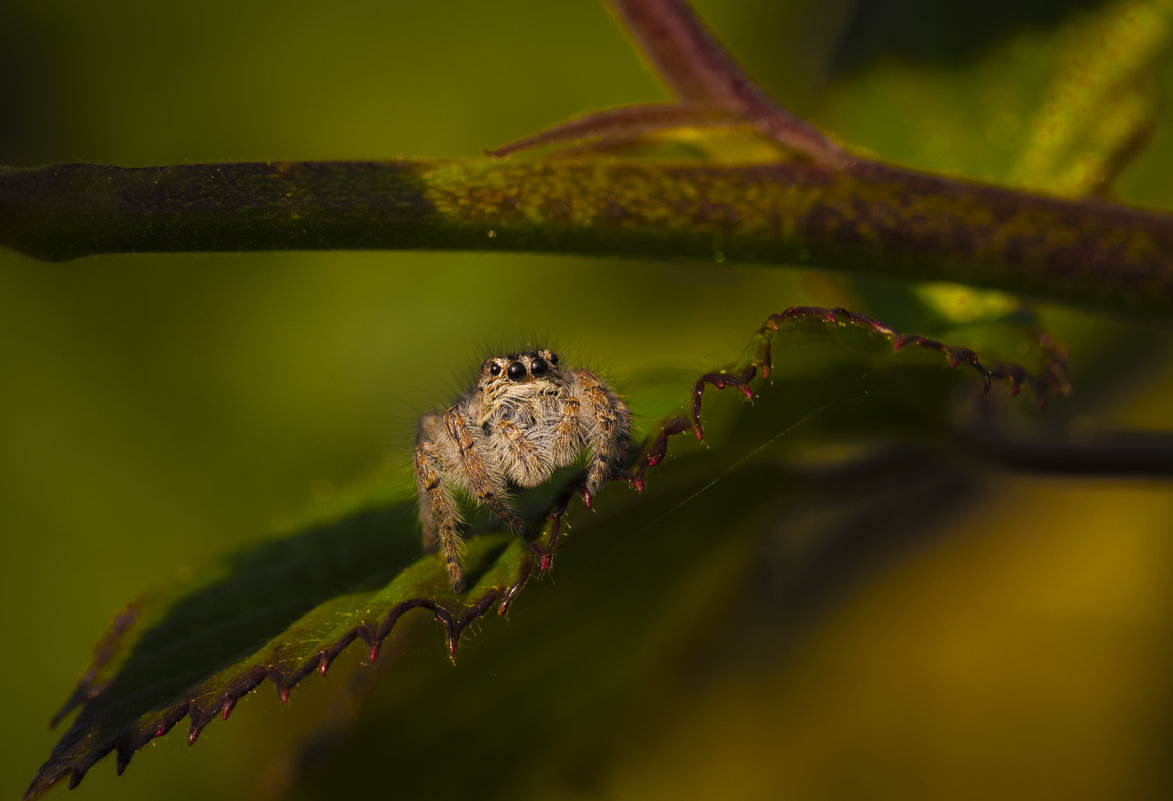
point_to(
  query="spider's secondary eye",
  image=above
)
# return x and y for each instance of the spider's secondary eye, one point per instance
(517, 371)
(494, 369)
(554, 359)
(539, 366)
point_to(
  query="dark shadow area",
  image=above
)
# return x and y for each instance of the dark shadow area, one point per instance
(30, 93)
(927, 30)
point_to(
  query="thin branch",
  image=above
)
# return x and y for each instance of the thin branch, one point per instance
(869, 218)
(699, 70)
(624, 124)
(1141, 454)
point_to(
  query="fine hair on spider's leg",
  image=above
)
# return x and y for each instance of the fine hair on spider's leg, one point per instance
(607, 429)
(445, 442)
(486, 487)
(439, 512)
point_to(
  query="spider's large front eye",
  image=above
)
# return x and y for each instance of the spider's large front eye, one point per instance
(494, 369)
(517, 371)
(539, 366)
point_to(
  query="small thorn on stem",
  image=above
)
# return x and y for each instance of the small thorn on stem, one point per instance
(587, 498)
(193, 734)
(226, 710)
(511, 593)
(283, 693)
(324, 664)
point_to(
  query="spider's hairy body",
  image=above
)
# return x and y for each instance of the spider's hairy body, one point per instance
(523, 419)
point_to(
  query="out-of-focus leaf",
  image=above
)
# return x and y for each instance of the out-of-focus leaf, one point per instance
(1037, 107)
(1061, 111)
(1101, 101)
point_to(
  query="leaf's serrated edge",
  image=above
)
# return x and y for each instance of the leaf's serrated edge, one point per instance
(757, 363)
(221, 704)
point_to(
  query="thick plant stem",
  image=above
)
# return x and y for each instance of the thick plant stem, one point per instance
(868, 218)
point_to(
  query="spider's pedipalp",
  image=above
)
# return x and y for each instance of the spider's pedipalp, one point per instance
(525, 463)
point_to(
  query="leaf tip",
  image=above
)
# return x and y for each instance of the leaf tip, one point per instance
(122, 756)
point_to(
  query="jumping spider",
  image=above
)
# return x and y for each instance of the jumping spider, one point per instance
(525, 418)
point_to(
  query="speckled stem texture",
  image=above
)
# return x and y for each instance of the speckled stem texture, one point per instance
(868, 218)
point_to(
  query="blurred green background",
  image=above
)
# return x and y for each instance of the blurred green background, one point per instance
(159, 410)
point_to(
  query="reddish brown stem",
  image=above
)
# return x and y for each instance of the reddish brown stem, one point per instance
(699, 69)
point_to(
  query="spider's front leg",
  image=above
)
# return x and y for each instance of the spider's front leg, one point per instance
(439, 512)
(487, 487)
(606, 427)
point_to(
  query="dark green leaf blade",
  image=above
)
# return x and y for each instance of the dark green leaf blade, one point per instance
(279, 611)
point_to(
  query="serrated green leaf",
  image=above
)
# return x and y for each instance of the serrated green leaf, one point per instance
(285, 609)
(279, 612)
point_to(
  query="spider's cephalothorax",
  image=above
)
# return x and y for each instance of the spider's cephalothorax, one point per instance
(526, 417)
